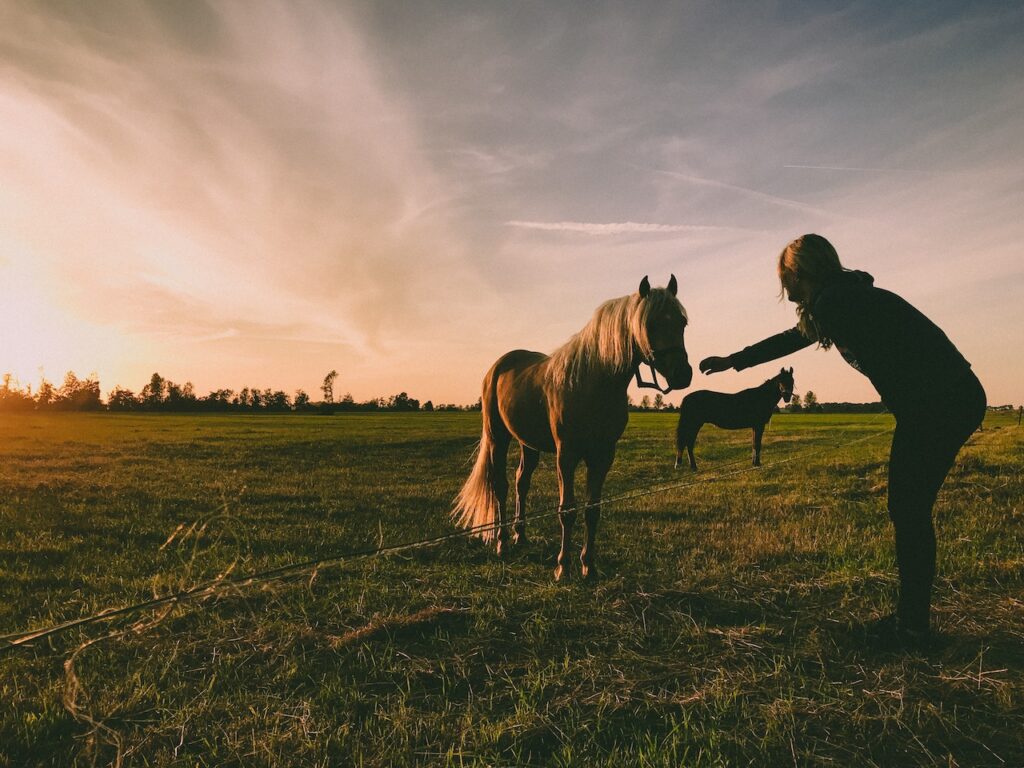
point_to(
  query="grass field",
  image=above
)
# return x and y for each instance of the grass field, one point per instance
(724, 629)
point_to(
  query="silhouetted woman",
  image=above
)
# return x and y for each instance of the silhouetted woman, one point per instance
(921, 377)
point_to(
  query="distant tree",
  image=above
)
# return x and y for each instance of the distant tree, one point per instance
(79, 394)
(13, 398)
(645, 403)
(188, 394)
(46, 396)
(174, 401)
(328, 386)
(279, 401)
(810, 401)
(301, 400)
(402, 402)
(121, 399)
(659, 402)
(152, 395)
(217, 400)
(428, 406)
(795, 405)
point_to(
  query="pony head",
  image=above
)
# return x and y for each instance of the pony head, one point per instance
(785, 382)
(658, 322)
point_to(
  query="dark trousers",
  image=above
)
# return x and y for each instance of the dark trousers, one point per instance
(924, 447)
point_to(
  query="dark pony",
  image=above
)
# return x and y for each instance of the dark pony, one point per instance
(750, 408)
(573, 404)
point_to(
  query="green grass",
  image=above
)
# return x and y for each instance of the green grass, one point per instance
(723, 631)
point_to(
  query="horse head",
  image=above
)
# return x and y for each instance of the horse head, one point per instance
(785, 382)
(664, 324)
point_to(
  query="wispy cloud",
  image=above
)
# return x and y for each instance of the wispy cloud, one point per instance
(612, 228)
(765, 197)
(856, 169)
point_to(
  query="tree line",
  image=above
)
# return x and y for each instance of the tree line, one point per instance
(163, 395)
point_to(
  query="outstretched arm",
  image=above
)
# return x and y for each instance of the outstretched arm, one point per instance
(772, 348)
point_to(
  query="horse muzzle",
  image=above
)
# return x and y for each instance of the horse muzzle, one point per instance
(674, 365)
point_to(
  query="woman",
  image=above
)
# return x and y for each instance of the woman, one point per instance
(921, 377)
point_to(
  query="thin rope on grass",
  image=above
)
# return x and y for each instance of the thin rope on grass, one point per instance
(210, 588)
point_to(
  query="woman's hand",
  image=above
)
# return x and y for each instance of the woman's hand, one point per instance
(715, 364)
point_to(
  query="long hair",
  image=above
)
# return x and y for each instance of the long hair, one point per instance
(810, 258)
(608, 341)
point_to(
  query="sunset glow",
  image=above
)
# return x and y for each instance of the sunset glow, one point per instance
(253, 195)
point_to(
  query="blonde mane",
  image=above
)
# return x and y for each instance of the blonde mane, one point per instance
(607, 343)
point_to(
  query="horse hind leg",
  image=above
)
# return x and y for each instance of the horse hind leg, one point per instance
(528, 459)
(690, 442)
(499, 459)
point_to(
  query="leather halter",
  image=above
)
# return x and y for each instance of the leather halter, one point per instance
(654, 372)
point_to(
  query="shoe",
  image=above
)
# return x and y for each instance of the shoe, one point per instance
(888, 633)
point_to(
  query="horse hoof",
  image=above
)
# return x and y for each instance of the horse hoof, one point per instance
(502, 550)
(519, 539)
(589, 573)
(562, 574)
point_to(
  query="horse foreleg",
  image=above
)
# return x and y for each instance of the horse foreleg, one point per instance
(528, 459)
(597, 470)
(566, 512)
(758, 434)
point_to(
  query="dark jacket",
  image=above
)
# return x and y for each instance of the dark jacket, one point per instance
(905, 355)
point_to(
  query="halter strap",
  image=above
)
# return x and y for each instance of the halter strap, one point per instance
(649, 384)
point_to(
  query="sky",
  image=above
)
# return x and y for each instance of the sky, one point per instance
(253, 194)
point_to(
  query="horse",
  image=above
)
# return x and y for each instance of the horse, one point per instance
(572, 403)
(749, 408)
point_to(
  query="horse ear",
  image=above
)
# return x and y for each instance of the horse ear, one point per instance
(673, 287)
(791, 370)
(645, 288)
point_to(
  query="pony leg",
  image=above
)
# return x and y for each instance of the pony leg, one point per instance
(682, 433)
(686, 437)
(566, 512)
(758, 434)
(597, 470)
(528, 459)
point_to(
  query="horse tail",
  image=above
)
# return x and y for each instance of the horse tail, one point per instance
(476, 506)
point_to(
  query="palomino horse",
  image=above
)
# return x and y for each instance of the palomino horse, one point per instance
(573, 404)
(749, 408)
